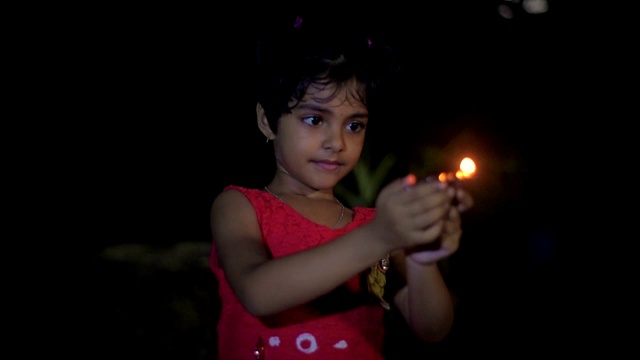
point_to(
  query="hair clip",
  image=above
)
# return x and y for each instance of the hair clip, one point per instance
(298, 22)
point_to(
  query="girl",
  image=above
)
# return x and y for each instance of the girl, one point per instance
(300, 274)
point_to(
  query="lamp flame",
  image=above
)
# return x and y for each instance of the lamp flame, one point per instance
(466, 171)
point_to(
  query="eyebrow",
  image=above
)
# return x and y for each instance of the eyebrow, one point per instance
(326, 110)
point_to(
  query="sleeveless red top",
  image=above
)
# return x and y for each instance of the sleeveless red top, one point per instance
(345, 324)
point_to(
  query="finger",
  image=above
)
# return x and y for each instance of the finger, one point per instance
(428, 234)
(451, 227)
(454, 216)
(406, 191)
(451, 242)
(452, 230)
(424, 219)
(410, 180)
(426, 198)
(427, 187)
(398, 186)
(465, 200)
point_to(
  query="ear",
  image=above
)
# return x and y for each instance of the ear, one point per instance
(263, 124)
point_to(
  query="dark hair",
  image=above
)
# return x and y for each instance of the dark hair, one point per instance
(302, 50)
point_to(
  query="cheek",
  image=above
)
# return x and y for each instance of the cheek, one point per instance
(293, 151)
(356, 144)
(356, 156)
(354, 150)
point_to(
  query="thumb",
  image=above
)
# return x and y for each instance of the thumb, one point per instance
(400, 185)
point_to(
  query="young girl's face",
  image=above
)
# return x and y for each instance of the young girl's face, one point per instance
(320, 142)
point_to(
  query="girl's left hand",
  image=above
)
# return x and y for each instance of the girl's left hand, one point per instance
(450, 234)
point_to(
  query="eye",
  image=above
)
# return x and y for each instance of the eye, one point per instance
(356, 126)
(312, 120)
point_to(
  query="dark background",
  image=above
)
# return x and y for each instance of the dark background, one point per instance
(163, 99)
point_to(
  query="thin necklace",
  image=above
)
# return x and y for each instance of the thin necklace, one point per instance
(334, 198)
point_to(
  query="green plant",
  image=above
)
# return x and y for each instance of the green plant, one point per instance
(368, 181)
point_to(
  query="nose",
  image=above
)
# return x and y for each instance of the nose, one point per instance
(334, 138)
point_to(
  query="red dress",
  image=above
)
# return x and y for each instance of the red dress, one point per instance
(345, 324)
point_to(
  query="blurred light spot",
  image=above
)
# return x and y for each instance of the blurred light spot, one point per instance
(505, 11)
(535, 6)
(468, 166)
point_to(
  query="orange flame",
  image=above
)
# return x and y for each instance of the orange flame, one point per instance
(466, 171)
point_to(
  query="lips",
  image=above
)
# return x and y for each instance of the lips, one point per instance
(327, 165)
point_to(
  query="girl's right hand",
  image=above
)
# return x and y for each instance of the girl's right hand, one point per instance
(411, 213)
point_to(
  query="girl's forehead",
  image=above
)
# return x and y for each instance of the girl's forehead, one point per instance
(334, 94)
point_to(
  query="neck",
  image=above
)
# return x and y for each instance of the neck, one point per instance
(334, 198)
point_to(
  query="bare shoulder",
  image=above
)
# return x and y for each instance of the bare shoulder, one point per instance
(236, 232)
(230, 204)
(233, 216)
(228, 198)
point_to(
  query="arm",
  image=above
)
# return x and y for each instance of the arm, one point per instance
(266, 286)
(425, 300)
